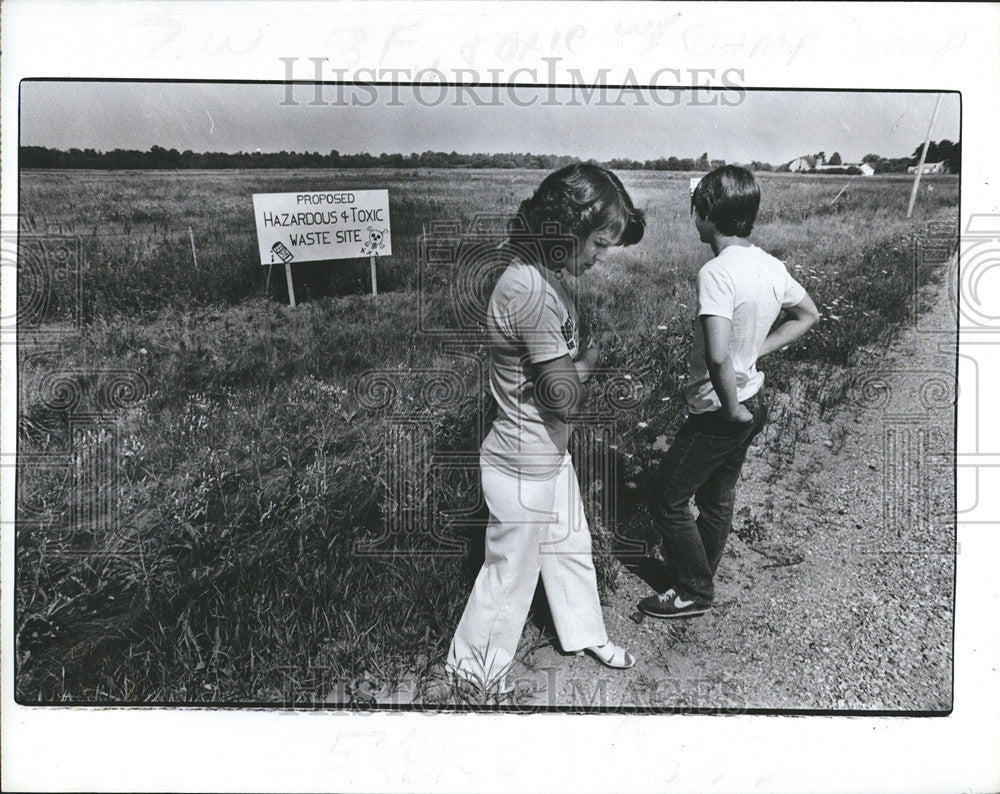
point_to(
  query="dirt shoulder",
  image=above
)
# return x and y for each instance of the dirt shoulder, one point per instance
(836, 589)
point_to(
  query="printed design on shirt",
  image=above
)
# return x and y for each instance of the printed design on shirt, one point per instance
(569, 333)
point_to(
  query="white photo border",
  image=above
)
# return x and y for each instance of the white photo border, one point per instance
(889, 46)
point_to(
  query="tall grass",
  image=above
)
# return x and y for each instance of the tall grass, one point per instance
(251, 464)
(134, 229)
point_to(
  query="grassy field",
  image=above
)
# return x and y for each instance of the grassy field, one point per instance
(265, 515)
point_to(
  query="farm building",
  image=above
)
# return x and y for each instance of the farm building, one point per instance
(818, 163)
(930, 168)
(802, 164)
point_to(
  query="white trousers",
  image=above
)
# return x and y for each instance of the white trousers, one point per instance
(535, 527)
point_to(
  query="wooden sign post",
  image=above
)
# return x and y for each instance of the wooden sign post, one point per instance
(321, 225)
(291, 286)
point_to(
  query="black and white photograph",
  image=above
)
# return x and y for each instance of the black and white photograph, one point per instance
(453, 432)
(507, 386)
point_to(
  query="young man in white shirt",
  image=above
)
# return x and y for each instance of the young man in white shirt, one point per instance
(741, 293)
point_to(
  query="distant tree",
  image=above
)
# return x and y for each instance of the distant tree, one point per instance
(954, 158)
(835, 159)
(40, 157)
(157, 157)
(945, 150)
(951, 153)
(894, 165)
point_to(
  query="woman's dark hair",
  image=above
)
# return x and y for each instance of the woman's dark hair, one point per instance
(574, 202)
(728, 197)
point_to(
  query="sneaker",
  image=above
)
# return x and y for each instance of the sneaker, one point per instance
(671, 605)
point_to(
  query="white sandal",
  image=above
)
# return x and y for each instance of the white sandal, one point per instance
(610, 655)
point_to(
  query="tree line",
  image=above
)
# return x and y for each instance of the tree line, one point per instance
(158, 157)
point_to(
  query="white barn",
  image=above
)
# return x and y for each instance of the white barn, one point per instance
(808, 163)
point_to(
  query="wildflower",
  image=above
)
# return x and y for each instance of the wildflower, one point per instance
(662, 327)
(643, 425)
(142, 351)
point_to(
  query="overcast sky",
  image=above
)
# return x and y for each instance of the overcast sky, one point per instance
(771, 126)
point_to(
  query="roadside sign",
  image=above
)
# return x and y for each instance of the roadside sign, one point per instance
(322, 224)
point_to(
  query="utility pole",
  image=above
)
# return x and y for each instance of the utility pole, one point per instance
(923, 157)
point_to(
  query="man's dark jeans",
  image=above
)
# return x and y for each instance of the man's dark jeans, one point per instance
(704, 461)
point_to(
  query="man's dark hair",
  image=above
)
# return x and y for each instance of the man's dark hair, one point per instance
(729, 197)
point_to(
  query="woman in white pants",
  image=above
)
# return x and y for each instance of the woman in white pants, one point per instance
(537, 371)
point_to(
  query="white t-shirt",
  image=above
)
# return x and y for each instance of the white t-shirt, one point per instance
(749, 287)
(531, 318)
